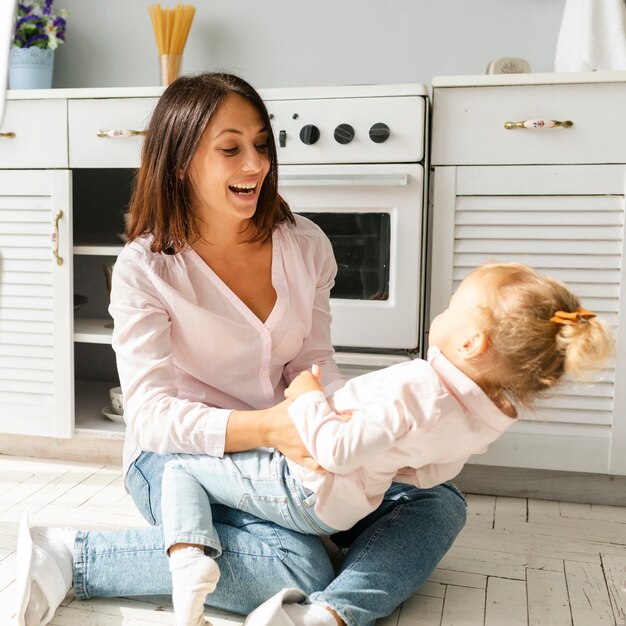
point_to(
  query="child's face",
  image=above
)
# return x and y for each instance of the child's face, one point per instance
(451, 329)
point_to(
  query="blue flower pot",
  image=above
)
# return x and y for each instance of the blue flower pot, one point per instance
(30, 68)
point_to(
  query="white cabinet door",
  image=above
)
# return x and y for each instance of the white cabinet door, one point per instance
(566, 221)
(36, 377)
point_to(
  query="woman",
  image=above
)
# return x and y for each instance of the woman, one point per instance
(220, 299)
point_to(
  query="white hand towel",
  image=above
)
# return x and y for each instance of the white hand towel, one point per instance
(592, 36)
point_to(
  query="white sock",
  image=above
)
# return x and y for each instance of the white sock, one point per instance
(194, 575)
(59, 544)
(309, 615)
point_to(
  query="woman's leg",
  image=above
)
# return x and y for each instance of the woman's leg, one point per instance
(393, 551)
(258, 559)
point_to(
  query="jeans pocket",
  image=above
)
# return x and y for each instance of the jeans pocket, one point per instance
(271, 508)
(139, 489)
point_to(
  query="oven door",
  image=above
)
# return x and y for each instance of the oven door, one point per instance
(373, 216)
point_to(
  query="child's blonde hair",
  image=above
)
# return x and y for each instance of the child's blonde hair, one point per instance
(532, 347)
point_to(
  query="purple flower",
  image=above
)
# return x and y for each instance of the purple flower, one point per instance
(23, 20)
(31, 40)
(38, 24)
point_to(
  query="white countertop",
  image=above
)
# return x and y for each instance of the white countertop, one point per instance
(502, 80)
(277, 93)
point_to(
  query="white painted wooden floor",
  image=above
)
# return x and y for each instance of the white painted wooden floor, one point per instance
(518, 562)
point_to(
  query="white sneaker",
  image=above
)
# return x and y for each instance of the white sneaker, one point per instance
(271, 613)
(37, 565)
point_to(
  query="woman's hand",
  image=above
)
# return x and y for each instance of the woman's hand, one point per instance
(283, 435)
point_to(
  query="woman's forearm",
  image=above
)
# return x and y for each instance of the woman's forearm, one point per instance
(267, 428)
(247, 430)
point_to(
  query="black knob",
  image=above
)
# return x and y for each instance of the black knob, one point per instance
(344, 133)
(309, 134)
(282, 138)
(379, 133)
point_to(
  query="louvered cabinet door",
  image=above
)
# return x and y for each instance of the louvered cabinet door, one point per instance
(568, 222)
(36, 375)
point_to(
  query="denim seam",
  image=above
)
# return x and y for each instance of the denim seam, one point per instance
(79, 578)
(304, 514)
(197, 539)
(345, 614)
(152, 519)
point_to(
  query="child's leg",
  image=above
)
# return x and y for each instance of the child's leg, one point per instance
(256, 481)
(188, 530)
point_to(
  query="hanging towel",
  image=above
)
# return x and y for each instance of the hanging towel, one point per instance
(592, 36)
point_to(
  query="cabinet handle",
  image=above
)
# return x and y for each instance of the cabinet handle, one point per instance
(537, 124)
(120, 133)
(9, 135)
(54, 237)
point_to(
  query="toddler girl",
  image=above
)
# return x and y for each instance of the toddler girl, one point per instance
(508, 335)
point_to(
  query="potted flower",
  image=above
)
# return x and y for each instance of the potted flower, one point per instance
(39, 30)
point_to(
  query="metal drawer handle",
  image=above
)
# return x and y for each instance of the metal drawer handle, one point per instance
(10, 135)
(537, 124)
(120, 133)
(54, 237)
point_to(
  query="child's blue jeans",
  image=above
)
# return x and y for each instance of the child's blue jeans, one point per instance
(257, 482)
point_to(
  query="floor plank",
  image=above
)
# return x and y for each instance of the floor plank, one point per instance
(519, 562)
(506, 603)
(615, 575)
(422, 610)
(463, 605)
(548, 602)
(588, 594)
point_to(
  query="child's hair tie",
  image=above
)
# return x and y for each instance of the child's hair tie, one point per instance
(580, 315)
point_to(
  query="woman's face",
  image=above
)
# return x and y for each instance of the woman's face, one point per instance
(230, 165)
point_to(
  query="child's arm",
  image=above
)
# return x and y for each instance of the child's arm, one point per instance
(341, 445)
(303, 383)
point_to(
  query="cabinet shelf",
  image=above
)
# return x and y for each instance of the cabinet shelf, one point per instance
(91, 398)
(98, 249)
(92, 330)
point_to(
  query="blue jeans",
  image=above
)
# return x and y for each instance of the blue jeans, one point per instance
(257, 482)
(390, 553)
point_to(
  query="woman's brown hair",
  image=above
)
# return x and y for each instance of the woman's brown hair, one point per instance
(160, 205)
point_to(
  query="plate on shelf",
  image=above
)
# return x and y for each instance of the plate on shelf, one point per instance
(108, 411)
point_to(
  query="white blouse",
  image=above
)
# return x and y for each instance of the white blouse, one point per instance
(189, 351)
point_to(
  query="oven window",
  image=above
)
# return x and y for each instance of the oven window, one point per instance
(361, 245)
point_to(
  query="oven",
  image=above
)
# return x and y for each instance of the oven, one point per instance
(352, 160)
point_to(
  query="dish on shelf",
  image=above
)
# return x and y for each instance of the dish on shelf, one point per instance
(108, 412)
(79, 301)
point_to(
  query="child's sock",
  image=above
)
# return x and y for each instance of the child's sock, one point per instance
(57, 546)
(194, 575)
(309, 615)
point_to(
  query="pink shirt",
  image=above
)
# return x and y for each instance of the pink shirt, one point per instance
(416, 422)
(189, 351)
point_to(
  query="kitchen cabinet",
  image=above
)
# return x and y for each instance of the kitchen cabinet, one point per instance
(35, 303)
(64, 167)
(551, 197)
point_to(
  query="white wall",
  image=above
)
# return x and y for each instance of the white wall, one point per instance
(284, 43)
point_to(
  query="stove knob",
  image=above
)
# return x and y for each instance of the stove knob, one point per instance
(344, 133)
(309, 134)
(379, 133)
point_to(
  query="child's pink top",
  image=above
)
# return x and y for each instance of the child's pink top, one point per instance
(416, 422)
